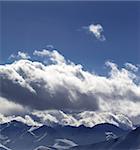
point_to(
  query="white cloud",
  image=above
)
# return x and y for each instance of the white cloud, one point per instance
(20, 55)
(9, 107)
(54, 56)
(68, 87)
(97, 31)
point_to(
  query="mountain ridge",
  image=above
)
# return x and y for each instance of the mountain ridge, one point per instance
(17, 135)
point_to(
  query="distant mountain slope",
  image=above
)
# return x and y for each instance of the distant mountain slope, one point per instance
(2, 147)
(130, 141)
(19, 136)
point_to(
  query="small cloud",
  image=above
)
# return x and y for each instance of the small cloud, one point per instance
(131, 67)
(54, 55)
(20, 55)
(97, 31)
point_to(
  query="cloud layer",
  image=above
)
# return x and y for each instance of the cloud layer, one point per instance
(63, 85)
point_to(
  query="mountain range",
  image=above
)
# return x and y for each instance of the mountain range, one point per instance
(15, 135)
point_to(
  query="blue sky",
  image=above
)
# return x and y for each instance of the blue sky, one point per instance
(29, 26)
(97, 35)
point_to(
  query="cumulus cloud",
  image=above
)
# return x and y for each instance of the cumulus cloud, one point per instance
(66, 86)
(54, 56)
(45, 87)
(20, 55)
(97, 31)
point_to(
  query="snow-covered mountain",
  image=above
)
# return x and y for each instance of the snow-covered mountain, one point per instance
(58, 117)
(17, 135)
(86, 118)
